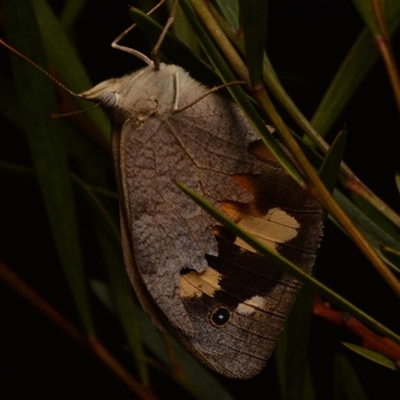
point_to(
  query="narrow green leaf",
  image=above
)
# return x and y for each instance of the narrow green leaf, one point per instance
(253, 16)
(309, 389)
(392, 255)
(352, 72)
(374, 215)
(331, 165)
(347, 386)
(365, 10)
(379, 230)
(230, 10)
(372, 356)
(292, 356)
(103, 293)
(47, 147)
(375, 235)
(66, 61)
(182, 30)
(70, 13)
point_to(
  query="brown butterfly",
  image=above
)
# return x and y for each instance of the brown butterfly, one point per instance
(224, 301)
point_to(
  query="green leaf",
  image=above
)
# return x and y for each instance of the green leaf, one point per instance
(182, 30)
(373, 232)
(346, 383)
(355, 67)
(365, 10)
(374, 215)
(71, 12)
(230, 10)
(392, 255)
(253, 20)
(331, 165)
(60, 51)
(291, 352)
(309, 389)
(47, 147)
(372, 356)
(103, 293)
(376, 227)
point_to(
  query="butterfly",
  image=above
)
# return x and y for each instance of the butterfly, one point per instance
(222, 300)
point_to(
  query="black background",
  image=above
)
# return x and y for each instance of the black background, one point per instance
(307, 41)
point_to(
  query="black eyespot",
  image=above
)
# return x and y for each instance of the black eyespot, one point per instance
(109, 100)
(220, 316)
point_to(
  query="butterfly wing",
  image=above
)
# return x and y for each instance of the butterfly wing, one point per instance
(225, 302)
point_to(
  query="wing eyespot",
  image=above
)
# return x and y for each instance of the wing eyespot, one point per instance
(220, 316)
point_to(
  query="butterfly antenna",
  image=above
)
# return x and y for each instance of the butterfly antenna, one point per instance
(134, 52)
(128, 50)
(163, 33)
(37, 67)
(69, 114)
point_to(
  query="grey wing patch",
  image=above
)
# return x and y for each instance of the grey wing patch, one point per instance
(169, 232)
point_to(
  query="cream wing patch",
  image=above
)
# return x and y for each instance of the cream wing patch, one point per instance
(274, 228)
(251, 305)
(194, 284)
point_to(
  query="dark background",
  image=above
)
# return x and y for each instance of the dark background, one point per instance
(307, 41)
